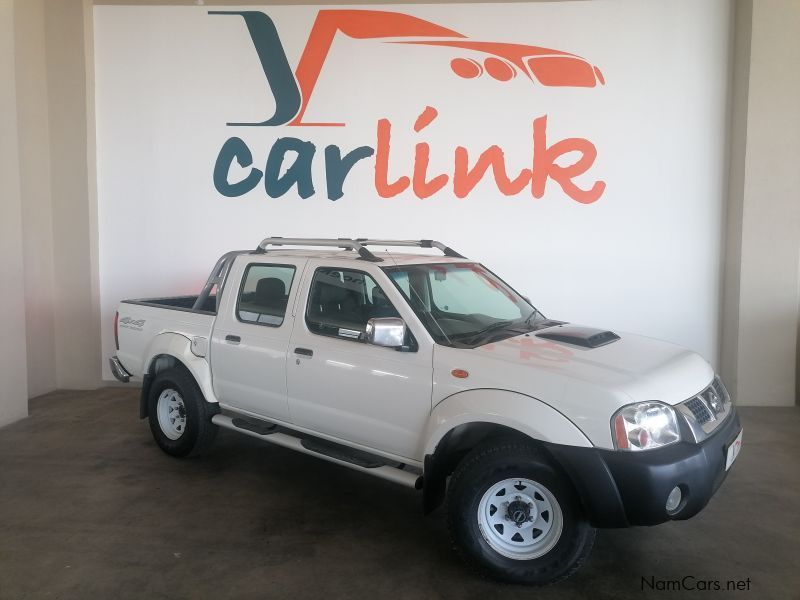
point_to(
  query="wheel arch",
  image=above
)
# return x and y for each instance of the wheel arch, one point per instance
(173, 350)
(466, 419)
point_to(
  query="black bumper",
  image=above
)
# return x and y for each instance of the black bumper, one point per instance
(620, 488)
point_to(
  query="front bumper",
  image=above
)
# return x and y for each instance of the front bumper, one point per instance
(620, 488)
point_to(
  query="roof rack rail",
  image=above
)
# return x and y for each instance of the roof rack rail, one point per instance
(345, 243)
(446, 250)
(358, 244)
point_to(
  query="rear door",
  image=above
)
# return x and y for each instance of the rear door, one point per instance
(251, 335)
(343, 387)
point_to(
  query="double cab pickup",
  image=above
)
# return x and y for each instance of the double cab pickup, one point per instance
(426, 369)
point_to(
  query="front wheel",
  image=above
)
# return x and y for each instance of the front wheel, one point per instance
(514, 517)
(180, 416)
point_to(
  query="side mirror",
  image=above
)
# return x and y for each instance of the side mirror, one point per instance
(388, 331)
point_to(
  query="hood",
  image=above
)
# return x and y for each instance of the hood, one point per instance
(586, 384)
(641, 368)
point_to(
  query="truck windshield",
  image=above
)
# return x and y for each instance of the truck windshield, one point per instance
(464, 304)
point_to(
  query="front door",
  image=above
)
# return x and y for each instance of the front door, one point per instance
(343, 387)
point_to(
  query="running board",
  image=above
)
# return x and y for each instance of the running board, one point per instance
(324, 451)
(339, 452)
(259, 427)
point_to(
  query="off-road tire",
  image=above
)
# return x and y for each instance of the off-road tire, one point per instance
(482, 468)
(199, 432)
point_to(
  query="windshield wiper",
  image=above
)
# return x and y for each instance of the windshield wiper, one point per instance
(491, 328)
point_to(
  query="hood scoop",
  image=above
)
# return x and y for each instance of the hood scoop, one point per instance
(586, 337)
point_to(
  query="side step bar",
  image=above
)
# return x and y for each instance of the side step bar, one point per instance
(319, 450)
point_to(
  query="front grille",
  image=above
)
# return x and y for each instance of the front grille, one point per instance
(720, 389)
(699, 410)
(712, 400)
(707, 410)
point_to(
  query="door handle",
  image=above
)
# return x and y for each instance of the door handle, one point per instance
(233, 339)
(304, 351)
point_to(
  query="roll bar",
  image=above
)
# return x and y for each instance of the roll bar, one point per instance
(217, 278)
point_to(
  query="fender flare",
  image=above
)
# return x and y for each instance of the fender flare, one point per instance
(179, 348)
(531, 417)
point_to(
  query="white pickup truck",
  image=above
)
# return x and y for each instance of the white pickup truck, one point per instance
(432, 372)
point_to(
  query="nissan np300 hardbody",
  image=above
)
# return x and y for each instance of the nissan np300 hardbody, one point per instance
(432, 372)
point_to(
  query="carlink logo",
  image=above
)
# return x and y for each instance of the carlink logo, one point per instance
(500, 61)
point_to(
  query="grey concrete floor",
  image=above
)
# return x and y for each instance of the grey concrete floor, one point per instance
(91, 508)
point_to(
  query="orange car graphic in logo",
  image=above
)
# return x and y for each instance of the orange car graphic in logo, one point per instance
(501, 61)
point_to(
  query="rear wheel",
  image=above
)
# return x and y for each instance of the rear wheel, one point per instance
(180, 416)
(514, 517)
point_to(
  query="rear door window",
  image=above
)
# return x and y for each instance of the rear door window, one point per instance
(265, 294)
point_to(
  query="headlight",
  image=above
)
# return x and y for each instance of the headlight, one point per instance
(644, 426)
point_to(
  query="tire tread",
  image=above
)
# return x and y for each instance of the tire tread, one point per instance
(190, 391)
(495, 454)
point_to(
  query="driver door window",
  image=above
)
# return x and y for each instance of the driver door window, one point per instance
(341, 302)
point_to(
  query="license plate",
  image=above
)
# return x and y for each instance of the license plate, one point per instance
(733, 450)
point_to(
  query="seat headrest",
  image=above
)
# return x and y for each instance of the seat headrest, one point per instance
(331, 293)
(269, 289)
(379, 298)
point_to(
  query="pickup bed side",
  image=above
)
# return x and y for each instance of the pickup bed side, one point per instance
(173, 328)
(141, 325)
(148, 331)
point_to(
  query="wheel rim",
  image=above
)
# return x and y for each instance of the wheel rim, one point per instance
(520, 519)
(171, 414)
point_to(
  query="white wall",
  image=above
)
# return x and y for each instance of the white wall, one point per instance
(76, 322)
(763, 282)
(13, 375)
(766, 367)
(645, 257)
(37, 210)
(58, 207)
